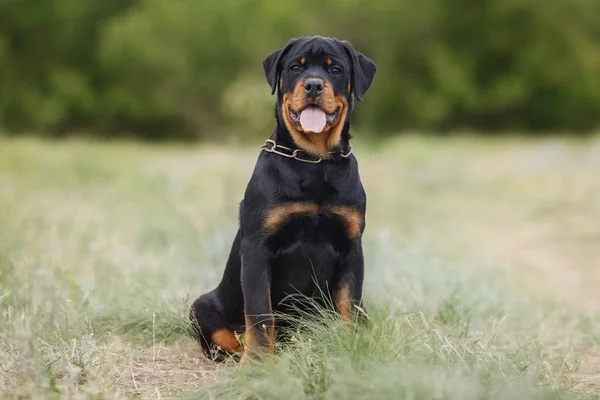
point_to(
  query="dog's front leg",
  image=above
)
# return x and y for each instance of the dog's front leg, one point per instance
(348, 287)
(256, 286)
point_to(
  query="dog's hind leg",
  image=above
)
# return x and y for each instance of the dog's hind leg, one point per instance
(217, 315)
(213, 331)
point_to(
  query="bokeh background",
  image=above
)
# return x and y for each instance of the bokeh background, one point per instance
(479, 150)
(191, 69)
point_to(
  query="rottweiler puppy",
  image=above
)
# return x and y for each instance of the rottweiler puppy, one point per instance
(303, 212)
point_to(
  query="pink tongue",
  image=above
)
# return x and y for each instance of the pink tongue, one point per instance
(312, 119)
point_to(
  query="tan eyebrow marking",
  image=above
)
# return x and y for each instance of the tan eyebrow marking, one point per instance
(302, 60)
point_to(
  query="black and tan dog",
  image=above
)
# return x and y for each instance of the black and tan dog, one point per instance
(303, 212)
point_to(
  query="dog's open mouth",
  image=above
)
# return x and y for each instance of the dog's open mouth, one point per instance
(312, 118)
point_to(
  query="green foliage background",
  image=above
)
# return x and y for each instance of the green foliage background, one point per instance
(191, 68)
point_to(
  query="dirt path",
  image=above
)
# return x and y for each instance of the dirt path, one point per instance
(159, 370)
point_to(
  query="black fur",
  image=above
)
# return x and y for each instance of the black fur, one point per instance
(309, 254)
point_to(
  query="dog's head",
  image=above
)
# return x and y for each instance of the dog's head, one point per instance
(316, 79)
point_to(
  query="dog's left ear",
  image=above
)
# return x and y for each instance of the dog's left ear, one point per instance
(363, 71)
(272, 67)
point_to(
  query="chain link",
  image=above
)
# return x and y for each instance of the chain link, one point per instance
(294, 153)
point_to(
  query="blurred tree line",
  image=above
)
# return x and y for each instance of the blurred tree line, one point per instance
(192, 68)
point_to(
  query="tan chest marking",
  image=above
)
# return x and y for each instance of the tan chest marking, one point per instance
(279, 215)
(351, 216)
(282, 213)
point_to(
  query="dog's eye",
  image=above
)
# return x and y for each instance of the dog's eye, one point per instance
(296, 68)
(335, 71)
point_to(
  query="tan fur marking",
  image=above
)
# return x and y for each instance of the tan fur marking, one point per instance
(226, 340)
(277, 216)
(302, 60)
(351, 216)
(329, 61)
(316, 143)
(349, 88)
(253, 340)
(342, 301)
(335, 136)
(250, 339)
(255, 335)
(250, 333)
(329, 101)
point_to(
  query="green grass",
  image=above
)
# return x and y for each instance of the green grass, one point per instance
(480, 273)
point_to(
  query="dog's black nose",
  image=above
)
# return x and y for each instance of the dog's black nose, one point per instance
(313, 87)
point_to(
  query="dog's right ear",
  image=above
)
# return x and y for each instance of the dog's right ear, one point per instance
(271, 64)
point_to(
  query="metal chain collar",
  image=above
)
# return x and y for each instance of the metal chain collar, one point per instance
(274, 148)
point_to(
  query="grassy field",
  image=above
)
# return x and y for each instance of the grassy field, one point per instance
(482, 273)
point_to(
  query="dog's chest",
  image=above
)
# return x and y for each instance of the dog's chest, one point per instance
(317, 187)
(309, 224)
(320, 206)
(309, 240)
